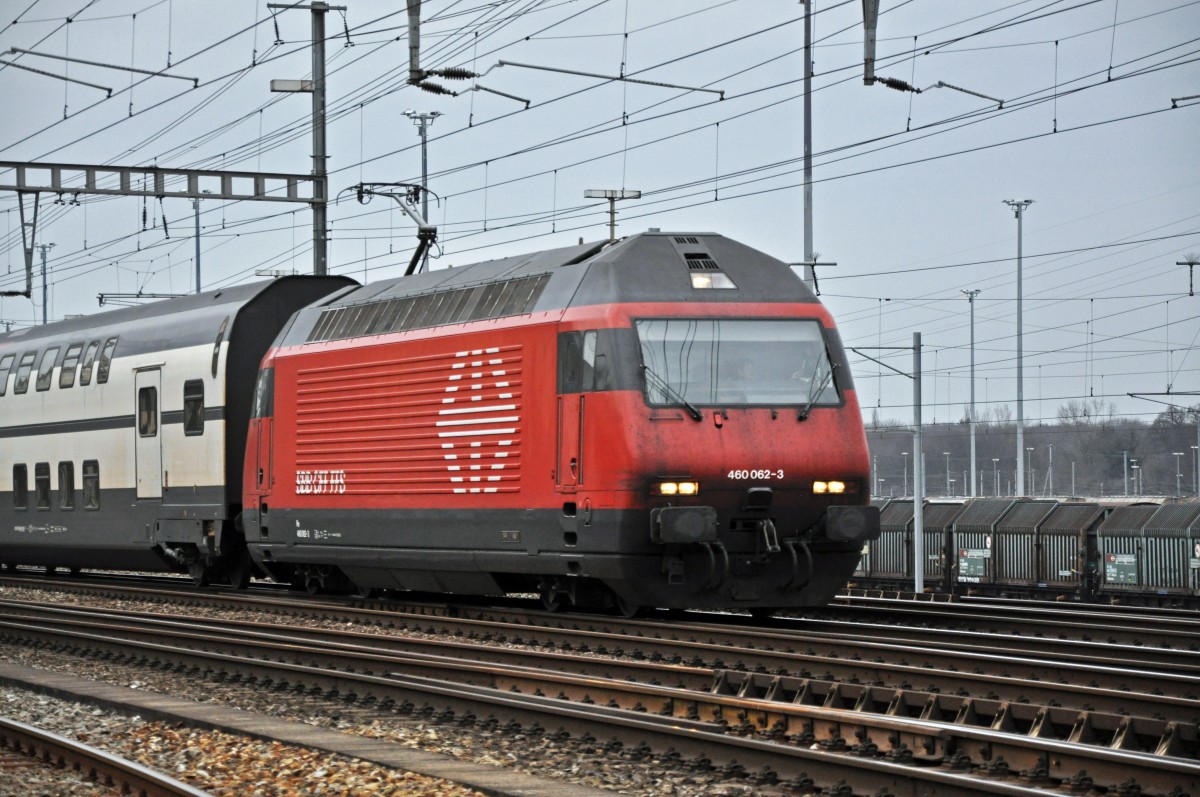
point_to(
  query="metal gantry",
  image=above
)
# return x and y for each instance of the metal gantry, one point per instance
(32, 179)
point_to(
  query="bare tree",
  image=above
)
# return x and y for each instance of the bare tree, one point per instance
(1078, 412)
(1001, 414)
(1177, 416)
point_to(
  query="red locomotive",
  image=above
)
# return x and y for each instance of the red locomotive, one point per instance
(668, 420)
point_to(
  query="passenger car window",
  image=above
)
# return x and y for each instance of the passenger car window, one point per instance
(23, 368)
(148, 412)
(105, 360)
(91, 484)
(193, 407)
(66, 485)
(5, 364)
(46, 368)
(20, 487)
(89, 356)
(217, 346)
(66, 377)
(41, 478)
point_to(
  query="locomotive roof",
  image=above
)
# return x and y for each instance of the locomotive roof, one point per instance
(649, 267)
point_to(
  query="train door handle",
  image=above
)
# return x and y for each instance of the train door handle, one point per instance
(574, 468)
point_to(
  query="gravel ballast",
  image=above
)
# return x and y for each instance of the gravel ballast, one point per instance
(585, 763)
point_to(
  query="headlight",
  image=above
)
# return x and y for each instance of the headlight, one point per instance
(677, 488)
(832, 487)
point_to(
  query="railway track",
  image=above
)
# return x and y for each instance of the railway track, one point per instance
(21, 742)
(1136, 626)
(753, 706)
(1100, 676)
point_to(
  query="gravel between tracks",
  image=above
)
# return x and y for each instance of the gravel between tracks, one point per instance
(219, 763)
(572, 761)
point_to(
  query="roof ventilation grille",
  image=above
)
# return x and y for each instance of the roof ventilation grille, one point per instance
(697, 261)
(686, 239)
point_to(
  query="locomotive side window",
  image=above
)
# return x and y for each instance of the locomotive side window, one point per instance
(66, 377)
(589, 360)
(91, 484)
(5, 364)
(193, 407)
(105, 361)
(732, 362)
(89, 357)
(148, 412)
(41, 479)
(23, 368)
(66, 485)
(264, 394)
(576, 373)
(46, 368)
(592, 361)
(20, 487)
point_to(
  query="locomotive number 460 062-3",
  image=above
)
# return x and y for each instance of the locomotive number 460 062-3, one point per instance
(758, 473)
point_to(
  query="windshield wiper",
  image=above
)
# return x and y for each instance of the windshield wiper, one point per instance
(814, 394)
(672, 393)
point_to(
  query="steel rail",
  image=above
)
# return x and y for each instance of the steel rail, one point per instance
(1161, 632)
(716, 645)
(1082, 651)
(1051, 638)
(126, 777)
(846, 634)
(1097, 612)
(1109, 609)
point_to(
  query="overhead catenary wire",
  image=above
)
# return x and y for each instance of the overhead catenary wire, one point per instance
(491, 183)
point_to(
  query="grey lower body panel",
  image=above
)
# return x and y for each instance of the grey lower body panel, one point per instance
(124, 533)
(498, 551)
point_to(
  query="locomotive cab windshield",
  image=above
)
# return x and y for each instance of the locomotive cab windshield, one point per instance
(736, 362)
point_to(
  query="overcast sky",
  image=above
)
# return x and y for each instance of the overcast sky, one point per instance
(908, 187)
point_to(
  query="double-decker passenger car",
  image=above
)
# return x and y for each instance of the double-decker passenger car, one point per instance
(122, 434)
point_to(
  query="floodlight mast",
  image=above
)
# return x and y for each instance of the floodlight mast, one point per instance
(810, 273)
(423, 121)
(971, 294)
(1019, 206)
